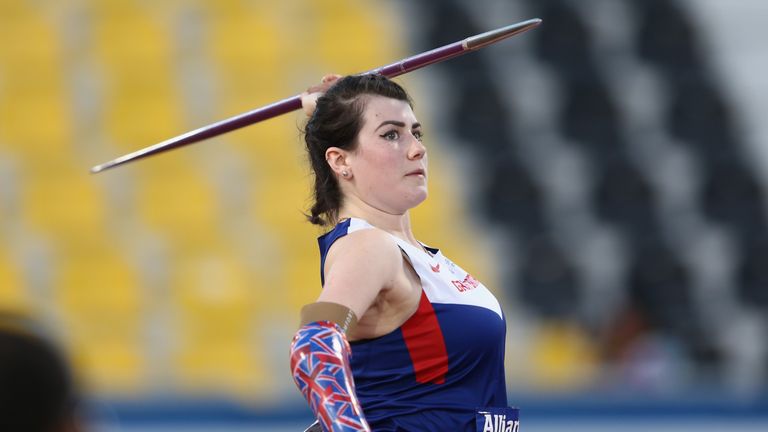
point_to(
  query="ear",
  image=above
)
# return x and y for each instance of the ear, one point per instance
(338, 161)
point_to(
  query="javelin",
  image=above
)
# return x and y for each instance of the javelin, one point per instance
(397, 68)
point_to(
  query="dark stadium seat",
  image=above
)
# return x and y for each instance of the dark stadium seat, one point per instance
(752, 273)
(660, 288)
(622, 196)
(563, 42)
(444, 21)
(732, 195)
(489, 133)
(512, 197)
(667, 38)
(699, 116)
(590, 116)
(548, 282)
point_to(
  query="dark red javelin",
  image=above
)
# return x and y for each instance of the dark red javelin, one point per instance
(293, 103)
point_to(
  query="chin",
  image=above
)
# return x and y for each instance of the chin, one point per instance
(418, 198)
(406, 200)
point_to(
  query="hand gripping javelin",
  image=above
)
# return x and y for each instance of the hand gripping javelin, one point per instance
(400, 67)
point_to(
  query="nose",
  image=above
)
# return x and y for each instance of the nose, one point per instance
(417, 149)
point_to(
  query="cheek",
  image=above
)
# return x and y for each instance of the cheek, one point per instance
(380, 165)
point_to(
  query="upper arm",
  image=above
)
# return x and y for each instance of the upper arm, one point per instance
(358, 266)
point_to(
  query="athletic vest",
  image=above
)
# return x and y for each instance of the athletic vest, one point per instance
(444, 363)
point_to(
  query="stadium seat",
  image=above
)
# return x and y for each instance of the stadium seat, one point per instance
(752, 273)
(240, 38)
(177, 202)
(512, 197)
(217, 311)
(13, 289)
(564, 42)
(102, 307)
(548, 283)
(231, 368)
(563, 357)
(731, 195)
(701, 119)
(660, 288)
(437, 33)
(62, 202)
(127, 39)
(490, 134)
(215, 294)
(338, 20)
(622, 196)
(667, 38)
(149, 115)
(589, 116)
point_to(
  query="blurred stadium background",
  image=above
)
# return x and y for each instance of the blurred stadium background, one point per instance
(604, 174)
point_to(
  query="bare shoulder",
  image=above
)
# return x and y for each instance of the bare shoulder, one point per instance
(358, 267)
(363, 246)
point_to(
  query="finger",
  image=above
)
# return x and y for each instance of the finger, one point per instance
(309, 102)
(330, 78)
(317, 88)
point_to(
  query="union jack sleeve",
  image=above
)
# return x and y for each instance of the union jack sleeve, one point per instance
(320, 369)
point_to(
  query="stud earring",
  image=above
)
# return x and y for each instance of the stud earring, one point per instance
(344, 173)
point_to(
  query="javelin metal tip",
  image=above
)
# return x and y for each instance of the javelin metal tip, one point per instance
(99, 168)
(111, 164)
(493, 36)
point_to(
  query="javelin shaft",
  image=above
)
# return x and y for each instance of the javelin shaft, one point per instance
(293, 103)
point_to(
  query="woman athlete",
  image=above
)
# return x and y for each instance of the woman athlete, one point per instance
(400, 338)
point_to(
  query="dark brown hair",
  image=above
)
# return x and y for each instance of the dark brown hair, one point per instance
(336, 122)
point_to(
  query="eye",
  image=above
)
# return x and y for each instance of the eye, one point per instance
(418, 134)
(391, 135)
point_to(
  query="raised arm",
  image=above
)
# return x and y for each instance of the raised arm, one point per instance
(358, 267)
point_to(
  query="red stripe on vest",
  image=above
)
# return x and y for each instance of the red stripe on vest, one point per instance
(425, 343)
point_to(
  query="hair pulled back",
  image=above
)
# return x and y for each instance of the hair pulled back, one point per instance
(336, 121)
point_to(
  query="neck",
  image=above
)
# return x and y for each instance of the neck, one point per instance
(397, 224)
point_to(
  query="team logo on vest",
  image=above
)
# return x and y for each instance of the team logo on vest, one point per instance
(469, 283)
(499, 423)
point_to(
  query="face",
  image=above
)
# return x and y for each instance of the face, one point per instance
(389, 165)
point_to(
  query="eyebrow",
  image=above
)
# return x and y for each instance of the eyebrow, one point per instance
(398, 124)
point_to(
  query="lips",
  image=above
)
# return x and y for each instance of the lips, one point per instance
(416, 172)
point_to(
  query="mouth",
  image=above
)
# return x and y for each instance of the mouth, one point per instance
(417, 172)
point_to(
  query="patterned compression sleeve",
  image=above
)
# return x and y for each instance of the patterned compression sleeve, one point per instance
(320, 368)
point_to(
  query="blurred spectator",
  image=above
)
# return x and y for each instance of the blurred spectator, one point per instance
(661, 294)
(36, 388)
(657, 335)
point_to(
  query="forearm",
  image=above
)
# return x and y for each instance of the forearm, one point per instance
(320, 368)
